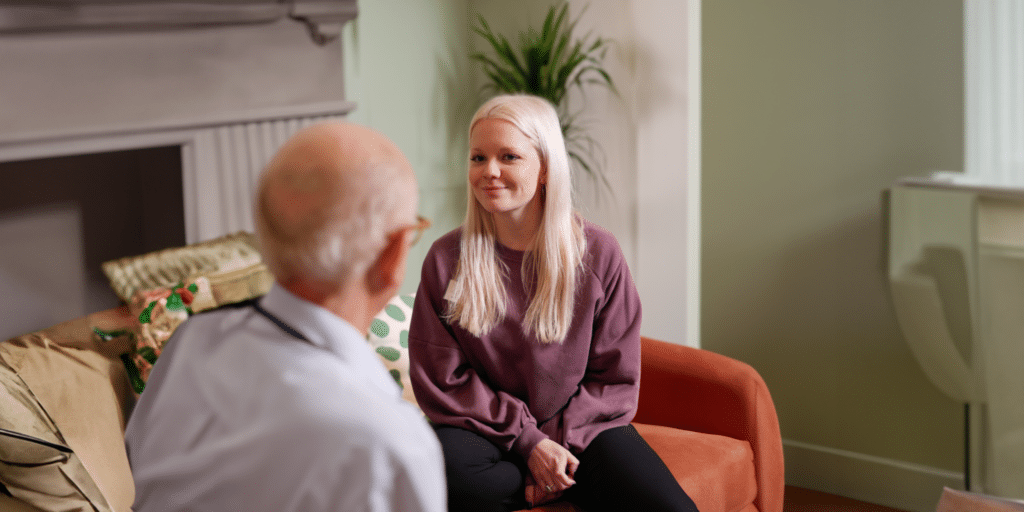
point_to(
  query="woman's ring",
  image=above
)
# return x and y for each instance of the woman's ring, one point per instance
(548, 487)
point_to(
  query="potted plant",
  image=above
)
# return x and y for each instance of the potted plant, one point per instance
(549, 64)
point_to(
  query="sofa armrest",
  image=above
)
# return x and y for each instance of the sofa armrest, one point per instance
(698, 390)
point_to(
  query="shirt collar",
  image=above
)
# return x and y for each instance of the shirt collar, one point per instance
(326, 330)
(320, 326)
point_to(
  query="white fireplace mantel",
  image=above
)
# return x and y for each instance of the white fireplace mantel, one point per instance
(228, 94)
(323, 17)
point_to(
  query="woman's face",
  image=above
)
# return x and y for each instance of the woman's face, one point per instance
(505, 170)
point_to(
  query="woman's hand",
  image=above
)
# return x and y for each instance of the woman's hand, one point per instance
(536, 496)
(552, 468)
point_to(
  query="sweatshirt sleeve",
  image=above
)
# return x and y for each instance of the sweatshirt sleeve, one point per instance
(448, 389)
(609, 392)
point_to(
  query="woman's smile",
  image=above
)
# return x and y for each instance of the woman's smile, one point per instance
(505, 169)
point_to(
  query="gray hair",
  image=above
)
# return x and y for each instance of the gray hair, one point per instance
(341, 238)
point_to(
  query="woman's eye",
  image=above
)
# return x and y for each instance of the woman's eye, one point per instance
(476, 158)
(508, 157)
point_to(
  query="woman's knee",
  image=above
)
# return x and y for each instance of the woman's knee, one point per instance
(620, 471)
(464, 448)
(479, 477)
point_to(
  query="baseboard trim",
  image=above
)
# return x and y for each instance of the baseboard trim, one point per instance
(888, 482)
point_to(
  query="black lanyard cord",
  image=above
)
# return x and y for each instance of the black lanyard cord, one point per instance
(278, 322)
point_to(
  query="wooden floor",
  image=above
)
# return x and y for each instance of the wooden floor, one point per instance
(805, 500)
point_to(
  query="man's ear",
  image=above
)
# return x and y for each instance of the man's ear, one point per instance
(387, 272)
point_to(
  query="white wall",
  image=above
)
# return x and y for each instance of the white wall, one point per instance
(667, 73)
(651, 134)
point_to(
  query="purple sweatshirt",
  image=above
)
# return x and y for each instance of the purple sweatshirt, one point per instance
(509, 387)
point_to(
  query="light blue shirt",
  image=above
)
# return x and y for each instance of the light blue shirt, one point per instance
(240, 416)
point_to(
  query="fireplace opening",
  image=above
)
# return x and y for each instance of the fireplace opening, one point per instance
(62, 217)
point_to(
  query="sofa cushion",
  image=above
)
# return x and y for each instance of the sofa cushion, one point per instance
(36, 466)
(79, 382)
(157, 313)
(9, 504)
(210, 274)
(389, 338)
(224, 271)
(232, 264)
(717, 472)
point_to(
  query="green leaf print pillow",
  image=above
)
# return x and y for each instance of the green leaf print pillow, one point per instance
(389, 338)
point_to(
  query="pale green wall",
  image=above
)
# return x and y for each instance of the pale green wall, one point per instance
(406, 67)
(811, 109)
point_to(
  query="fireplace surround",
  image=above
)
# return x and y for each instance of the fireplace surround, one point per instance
(223, 81)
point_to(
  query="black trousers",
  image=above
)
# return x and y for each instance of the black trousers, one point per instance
(618, 471)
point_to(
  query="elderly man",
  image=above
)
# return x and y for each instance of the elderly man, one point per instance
(280, 405)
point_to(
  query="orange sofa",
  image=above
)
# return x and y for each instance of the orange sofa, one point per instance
(712, 420)
(710, 417)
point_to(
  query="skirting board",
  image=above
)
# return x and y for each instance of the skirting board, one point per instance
(888, 482)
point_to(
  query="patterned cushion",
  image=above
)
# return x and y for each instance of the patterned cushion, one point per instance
(218, 272)
(164, 287)
(389, 337)
(159, 312)
(232, 264)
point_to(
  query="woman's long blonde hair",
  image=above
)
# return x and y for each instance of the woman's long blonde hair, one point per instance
(476, 295)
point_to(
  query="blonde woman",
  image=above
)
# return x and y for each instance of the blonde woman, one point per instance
(525, 336)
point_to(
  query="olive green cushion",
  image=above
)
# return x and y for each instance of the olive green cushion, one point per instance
(231, 263)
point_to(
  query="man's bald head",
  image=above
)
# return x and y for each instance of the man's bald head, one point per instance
(327, 201)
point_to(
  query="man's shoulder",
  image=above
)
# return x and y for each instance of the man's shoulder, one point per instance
(329, 392)
(358, 419)
(306, 391)
(226, 318)
(386, 443)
